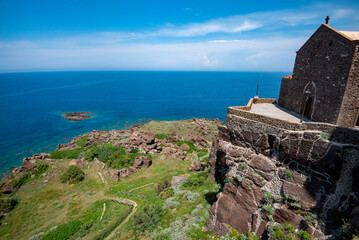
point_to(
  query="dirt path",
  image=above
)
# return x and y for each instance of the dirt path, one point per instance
(141, 186)
(125, 201)
(101, 176)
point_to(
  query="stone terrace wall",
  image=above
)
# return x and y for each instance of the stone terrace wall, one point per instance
(254, 101)
(338, 133)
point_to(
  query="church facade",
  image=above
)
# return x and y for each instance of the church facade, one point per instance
(324, 86)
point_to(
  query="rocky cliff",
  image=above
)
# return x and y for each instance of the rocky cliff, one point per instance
(271, 176)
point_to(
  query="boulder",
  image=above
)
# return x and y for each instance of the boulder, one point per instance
(178, 179)
(142, 162)
(7, 189)
(131, 169)
(27, 164)
(197, 166)
(184, 147)
(75, 162)
(115, 175)
(149, 138)
(123, 173)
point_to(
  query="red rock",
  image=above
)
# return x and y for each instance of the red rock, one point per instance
(306, 199)
(262, 163)
(27, 164)
(284, 215)
(197, 166)
(7, 189)
(142, 162)
(178, 179)
(184, 147)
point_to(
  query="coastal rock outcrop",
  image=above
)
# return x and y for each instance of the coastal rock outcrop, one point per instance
(77, 116)
(269, 173)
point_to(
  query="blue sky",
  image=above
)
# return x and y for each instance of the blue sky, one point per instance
(202, 35)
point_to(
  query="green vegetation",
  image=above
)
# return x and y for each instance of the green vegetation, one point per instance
(22, 178)
(64, 231)
(326, 136)
(196, 180)
(7, 204)
(73, 174)
(268, 197)
(287, 173)
(161, 136)
(66, 154)
(147, 218)
(81, 142)
(268, 209)
(287, 231)
(50, 209)
(119, 160)
(163, 189)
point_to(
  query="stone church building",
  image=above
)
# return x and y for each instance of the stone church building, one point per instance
(325, 81)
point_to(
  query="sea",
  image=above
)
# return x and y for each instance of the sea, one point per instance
(32, 104)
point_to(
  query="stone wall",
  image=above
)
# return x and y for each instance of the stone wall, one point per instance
(251, 157)
(323, 66)
(337, 133)
(349, 111)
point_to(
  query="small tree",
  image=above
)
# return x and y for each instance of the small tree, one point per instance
(73, 174)
(147, 218)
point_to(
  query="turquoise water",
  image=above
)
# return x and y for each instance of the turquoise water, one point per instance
(31, 104)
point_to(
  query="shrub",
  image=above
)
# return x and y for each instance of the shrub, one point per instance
(239, 178)
(161, 136)
(304, 235)
(326, 136)
(268, 209)
(89, 154)
(104, 151)
(134, 150)
(267, 197)
(73, 174)
(170, 203)
(288, 173)
(118, 160)
(82, 141)
(7, 204)
(162, 185)
(66, 154)
(168, 192)
(276, 233)
(190, 196)
(196, 180)
(147, 218)
(251, 236)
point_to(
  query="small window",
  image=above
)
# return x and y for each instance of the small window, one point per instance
(330, 43)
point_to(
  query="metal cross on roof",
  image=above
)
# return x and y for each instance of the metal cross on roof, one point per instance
(327, 20)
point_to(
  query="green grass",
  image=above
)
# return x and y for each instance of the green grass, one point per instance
(81, 142)
(66, 154)
(161, 136)
(76, 208)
